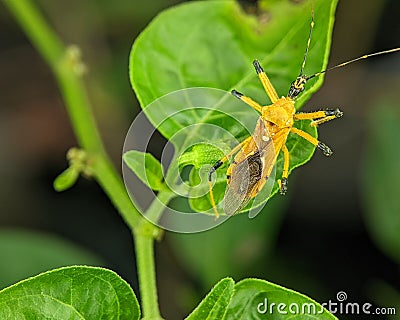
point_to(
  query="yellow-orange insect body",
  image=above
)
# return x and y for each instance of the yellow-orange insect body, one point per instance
(255, 157)
(279, 115)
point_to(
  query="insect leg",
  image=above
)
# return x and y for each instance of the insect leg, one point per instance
(319, 117)
(284, 182)
(320, 145)
(334, 115)
(269, 89)
(247, 100)
(218, 164)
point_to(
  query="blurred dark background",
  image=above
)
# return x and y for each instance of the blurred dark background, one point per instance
(328, 234)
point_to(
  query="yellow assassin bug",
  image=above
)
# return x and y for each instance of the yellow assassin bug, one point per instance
(255, 157)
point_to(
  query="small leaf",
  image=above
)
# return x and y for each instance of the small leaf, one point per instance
(259, 299)
(214, 305)
(66, 179)
(70, 293)
(200, 155)
(146, 167)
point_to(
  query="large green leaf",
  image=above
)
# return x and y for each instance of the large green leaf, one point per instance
(257, 299)
(212, 44)
(70, 293)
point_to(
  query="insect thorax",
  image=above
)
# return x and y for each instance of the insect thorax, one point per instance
(280, 113)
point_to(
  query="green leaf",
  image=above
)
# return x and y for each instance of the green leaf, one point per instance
(66, 179)
(212, 44)
(380, 183)
(70, 293)
(257, 299)
(214, 305)
(146, 167)
(254, 298)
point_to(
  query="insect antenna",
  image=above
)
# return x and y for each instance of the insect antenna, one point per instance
(351, 61)
(297, 85)
(308, 41)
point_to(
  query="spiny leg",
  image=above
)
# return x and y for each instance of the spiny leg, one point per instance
(218, 164)
(320, 145)
(247, 100)
(319, 117)
(317, 122)
(284, 182)
(269, 89)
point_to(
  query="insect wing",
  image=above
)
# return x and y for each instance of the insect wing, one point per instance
(250, 174)
(244, 180)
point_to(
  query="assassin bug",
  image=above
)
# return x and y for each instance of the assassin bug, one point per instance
(255, 157)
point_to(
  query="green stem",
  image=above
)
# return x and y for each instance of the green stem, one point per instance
(111, 182)
(144, 247)
(153, 213)
(72, 89)
(145, 255)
